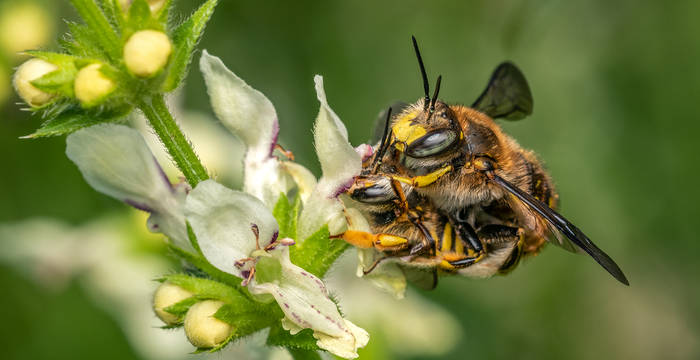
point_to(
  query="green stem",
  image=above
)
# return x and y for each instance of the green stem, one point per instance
(302, 354)
(178, 147)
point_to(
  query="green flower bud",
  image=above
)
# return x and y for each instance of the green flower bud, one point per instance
(29, 71)
(203, 330)
(167, 295)
(24, 26)
(155, 5)
(91, 85)
(147, 52)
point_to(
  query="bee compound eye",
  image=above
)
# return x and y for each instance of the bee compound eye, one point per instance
(432, 143)
(376, 193)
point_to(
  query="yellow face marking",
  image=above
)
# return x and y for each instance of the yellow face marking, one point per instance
(424, 180)
(387, 240)
(446, 265)
(405, 131)
(447, 238)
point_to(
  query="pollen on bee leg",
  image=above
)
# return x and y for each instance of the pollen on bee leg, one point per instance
(387, 240)
(360, 239)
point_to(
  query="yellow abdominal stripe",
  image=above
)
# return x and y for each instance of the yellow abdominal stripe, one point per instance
(406, 132)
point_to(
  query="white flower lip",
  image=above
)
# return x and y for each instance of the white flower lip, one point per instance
(115, 160)
(221, 219)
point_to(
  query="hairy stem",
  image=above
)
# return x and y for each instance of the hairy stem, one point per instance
(178, 147)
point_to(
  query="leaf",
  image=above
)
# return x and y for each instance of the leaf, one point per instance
(283, 213)
(185, 38)
(280, 337)
(75, 119)
(113, 12)
(83, 42)
(101, 31)
(180, 309)
(318, 252)
(245, 323)
(200, 263)
(58, 82)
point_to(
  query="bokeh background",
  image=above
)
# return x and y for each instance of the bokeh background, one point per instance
(616, 88)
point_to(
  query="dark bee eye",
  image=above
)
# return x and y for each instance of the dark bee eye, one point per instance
(377, 193)
(432, 144)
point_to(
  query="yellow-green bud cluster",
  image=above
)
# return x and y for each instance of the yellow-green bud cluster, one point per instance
(91, 86)
(203, 330)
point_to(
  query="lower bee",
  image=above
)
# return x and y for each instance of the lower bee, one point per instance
(457, 163)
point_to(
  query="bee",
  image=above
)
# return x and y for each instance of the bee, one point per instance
(406, 226)
(456, 164)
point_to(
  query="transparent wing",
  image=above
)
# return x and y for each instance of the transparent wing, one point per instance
(566, 228)
(507, 96)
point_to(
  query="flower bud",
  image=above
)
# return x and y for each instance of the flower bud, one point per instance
(24, 26)
(91, 85)
(202, 328)
(31, 70)
(146, 52)
(154, 5)
(167, 295)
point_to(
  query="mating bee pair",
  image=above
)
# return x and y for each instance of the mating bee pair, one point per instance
(446, 190)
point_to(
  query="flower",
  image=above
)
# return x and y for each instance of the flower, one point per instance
(91, 85)
(238, 234)
(239, 225)
(115, 160)
(29, 71)
(147, 52)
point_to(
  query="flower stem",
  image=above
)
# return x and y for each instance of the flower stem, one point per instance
(178, 147)
(303, 354)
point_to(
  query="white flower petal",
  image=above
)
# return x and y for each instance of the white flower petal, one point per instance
(243, 110)
(304, 179)
(265, 180)
(221, 219)
(115, 160)
(340, 164)
(339, 160)
(304, 300)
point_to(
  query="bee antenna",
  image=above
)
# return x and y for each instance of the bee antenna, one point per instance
(435, 94)
(382, 145)
(426, 86)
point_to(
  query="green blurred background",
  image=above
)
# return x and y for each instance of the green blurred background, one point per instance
(616, 87)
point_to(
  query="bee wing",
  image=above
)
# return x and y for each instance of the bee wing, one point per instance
(507, 95)
(577, 237)
(422, 277)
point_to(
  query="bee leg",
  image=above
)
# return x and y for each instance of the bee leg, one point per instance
(461, 257)
(365, 240)
(499, 236)
(424, 180)
(428, 241)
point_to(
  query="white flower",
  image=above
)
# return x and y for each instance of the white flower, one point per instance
(238, 234)
(115, 160)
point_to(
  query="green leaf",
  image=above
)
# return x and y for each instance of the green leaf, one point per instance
(180, 309)
(101, 31)
(185, 38)
(113, 12)
(302, 340)
(202, 264)
(75, 119)
(317, 253)
(302, 354)
(284, 215)
(84, 43)
(58, 82)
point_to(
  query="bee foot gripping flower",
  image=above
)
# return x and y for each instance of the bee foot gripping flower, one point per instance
(222, 220)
